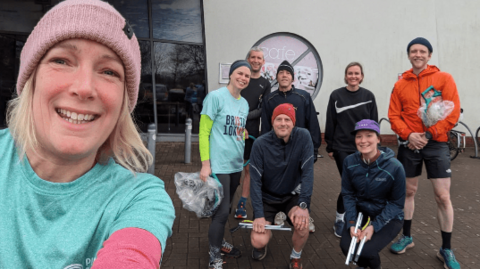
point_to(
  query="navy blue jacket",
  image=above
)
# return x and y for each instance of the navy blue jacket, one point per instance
(305, 113)
(377, 190)
(276, 168)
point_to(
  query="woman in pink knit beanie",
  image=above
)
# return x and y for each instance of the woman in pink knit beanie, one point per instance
(73, 192)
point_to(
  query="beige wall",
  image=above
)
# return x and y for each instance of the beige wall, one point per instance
(374, 32)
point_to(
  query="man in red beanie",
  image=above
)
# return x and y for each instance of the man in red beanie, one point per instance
(280, 160)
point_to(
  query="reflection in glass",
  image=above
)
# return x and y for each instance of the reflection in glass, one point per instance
(177, 20)
(143, 112)
(178, 67)
(22, 15)
(136, 12)
(10, 47)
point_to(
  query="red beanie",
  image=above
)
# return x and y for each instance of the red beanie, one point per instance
(286, 109)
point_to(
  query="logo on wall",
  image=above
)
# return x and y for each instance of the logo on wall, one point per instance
(299, 53)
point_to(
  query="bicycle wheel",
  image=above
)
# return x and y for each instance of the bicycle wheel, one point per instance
(453, 145)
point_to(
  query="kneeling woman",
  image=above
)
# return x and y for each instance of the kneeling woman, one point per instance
(373, 182)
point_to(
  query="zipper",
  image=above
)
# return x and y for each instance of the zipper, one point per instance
(420, 97)
(367, 184)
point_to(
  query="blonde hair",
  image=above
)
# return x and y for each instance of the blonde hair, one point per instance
(124, 143)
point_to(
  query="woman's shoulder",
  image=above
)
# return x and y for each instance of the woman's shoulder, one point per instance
(367, 91)
(217, 93)
(6, 140)
(5, 133)
(126, 177)
(339, 90)
(352, 159)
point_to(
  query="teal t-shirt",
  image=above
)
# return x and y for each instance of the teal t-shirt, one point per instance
(226, 138)
(59, 225)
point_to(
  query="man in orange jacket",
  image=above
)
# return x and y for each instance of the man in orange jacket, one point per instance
(425, 144)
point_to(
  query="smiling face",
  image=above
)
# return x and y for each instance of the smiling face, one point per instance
(419, 57)
(256, 60)
(284, 79)
(78, 94)
(367, 142)
(240, 77)
(354, 76)
(282, 126)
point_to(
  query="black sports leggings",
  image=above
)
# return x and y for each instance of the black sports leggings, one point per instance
(216, 230)
(369, 257)
(339, 157)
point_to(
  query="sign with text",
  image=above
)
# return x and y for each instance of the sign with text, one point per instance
(299, 53)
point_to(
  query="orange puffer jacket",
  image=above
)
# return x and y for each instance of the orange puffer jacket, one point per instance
(406, 100)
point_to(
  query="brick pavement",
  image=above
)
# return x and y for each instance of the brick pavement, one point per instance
(188, 247)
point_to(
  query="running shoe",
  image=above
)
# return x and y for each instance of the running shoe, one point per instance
(280, 218)
(338, 228)
(448, 258)
(402, 244)
(296, 264)
(311, 226)
(259, 253)
(241, 211)
(228, 250)
(216, 264)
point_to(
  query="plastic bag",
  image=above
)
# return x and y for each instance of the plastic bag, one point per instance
(197, 196)
(436, 111)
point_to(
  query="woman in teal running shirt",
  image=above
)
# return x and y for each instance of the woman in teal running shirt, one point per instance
(222, 132)
(72, 191)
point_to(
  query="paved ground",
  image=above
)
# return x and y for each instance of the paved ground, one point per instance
(188, 247)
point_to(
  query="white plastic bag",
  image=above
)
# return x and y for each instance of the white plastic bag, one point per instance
(197, 196)
(435, 112)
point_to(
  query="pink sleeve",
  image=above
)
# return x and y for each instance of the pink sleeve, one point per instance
(129, 248)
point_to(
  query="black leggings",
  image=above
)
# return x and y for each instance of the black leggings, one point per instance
(339, 157)
(216, 230)
(369, 257)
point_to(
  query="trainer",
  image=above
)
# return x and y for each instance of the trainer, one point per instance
(425, 144)
(280, 160)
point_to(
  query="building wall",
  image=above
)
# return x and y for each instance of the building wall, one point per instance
(373, 32)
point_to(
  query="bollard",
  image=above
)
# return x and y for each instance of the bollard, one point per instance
(152, 136)
(188, 139)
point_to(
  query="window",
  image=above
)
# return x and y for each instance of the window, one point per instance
(177, 20)
(136, 12)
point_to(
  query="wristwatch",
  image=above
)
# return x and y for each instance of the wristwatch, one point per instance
(303, 205)
(428, 135)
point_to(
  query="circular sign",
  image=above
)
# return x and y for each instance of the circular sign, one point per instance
(299, 53)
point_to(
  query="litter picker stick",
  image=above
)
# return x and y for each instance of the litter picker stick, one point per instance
(249, 225)
(360, 248)
(353, 243)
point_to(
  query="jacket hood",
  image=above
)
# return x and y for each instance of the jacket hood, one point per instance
(429, 70)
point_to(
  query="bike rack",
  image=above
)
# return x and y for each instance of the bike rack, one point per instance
(474, 138)
(383, 119)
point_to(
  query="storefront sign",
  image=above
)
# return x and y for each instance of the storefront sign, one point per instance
(298, 52)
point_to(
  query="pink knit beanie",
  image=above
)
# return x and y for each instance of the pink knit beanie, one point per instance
(84, 19)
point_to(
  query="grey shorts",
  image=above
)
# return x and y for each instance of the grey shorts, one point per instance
(435, 155)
